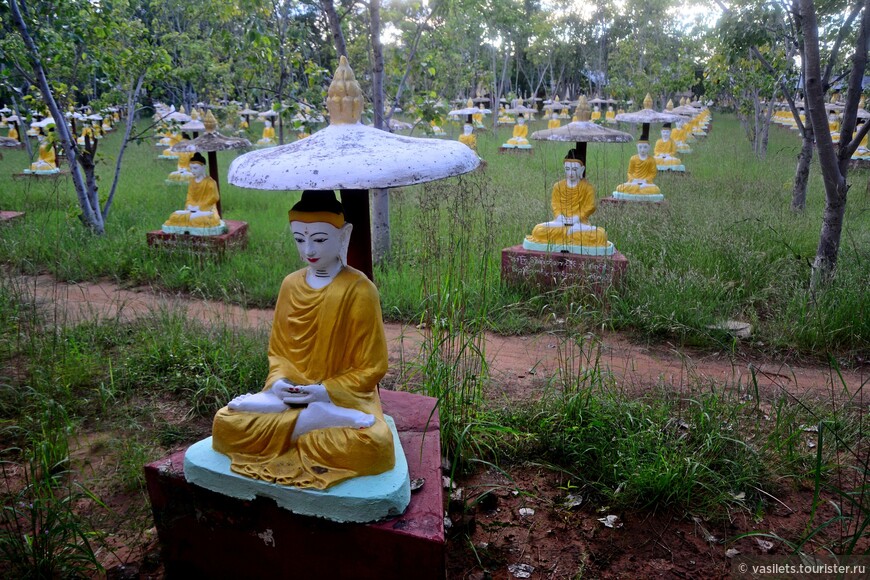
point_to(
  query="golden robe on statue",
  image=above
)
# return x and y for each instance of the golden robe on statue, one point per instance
(577, 202)
(469, 140)
(333, 336)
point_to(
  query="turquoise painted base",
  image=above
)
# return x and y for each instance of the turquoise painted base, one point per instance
(639, 197)
(582, 250)
(362, 499)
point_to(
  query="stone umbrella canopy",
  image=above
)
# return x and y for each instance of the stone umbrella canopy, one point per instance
(646, 116)
(352, 158)
(195, 126)
(582, 132)
(211, 142)
(469, 110)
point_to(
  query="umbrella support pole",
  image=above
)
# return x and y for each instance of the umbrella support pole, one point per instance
(357, 212)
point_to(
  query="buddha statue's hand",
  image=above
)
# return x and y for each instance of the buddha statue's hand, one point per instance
(566, 220)
(306, 394)
(192, 208)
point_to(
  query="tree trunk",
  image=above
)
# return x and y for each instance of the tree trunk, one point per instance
(834, 170)
(380, 197)
(802, 173)
(334, 27)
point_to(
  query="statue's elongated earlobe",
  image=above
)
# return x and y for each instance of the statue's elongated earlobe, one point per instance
(346, 231)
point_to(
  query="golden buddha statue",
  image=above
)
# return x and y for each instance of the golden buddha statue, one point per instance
(468, 137)
(268, 138)
(834, 126)
(13, 130)
(554, 122)
(519, 140)
(862, 153)
(642, 172)
(435, 127)
(477, 118)
(46, 164)
(87, 132)
(665, 152)
(182, 174)
(678, 134)
(596, 113)
(318, 421)
(106, 125)
(573, 202)
(610, 115)
(200, 216)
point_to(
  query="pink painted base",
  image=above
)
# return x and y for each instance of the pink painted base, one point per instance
(7, 217)
(545, 270)
(204, 534)
(236, 237)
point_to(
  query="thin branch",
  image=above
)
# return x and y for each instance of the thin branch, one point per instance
(836, 50)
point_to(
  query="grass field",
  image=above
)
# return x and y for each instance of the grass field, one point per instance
(726, 247)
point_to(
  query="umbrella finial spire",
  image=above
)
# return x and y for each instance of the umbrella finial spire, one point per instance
(582, 111)
(210, 122)
(647, 102)
(344, 99)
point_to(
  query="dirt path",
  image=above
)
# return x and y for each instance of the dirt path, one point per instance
(520, 366)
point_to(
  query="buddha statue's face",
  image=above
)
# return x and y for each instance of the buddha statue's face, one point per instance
(555, 114)
(521, 121)
(198, 170)
(666, 134)
(643, 150)
(467, 129)
(268, 124)
(574, 171)
(319, 243)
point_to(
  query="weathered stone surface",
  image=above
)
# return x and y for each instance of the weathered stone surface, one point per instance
(544, 270)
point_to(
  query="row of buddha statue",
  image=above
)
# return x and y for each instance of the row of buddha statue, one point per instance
(784, 117)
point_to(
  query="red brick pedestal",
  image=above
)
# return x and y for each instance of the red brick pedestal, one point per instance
(236, 237)
(204, 534)
(552, 269)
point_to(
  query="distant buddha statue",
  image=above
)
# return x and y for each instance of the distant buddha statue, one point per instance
(468, 137)
(87, 133)
(107, 124)
(862, 153)
(666, 152)
(268, 138)
(13, 130)
(174, 140)
(573, 202)
(678, 134)
(318, 421)
(96, 129)
(596, 113)
(46, 164)
(200, 215)
(834, 126)
(182, 174)
(519, 140)
(477, 118)
(554, 122)
(436, 128)
(503, 117)
(641, 175)
(610, 115)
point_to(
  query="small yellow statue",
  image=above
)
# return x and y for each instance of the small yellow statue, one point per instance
(13, 131)
(666, 152)
(610, 115)
(596, 113)
(200, 215)
(174, 139)
(641, 175)
(554, 122)
(573, 202)
(46, 164)
(468, 137)
(318, 421)
(268, 138)
(519, 140)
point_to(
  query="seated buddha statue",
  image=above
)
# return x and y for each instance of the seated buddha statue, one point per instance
(46, 164)
(174, 140)
(468, 137)
(862, 153)
(519, 140)
(596, 113)
(554, 122)
(641, 175)
(436, 128)
(318, 420)
(106, 126)
(573, 201)
(97, 129)
(503, 117)
(666, 152)
(200, 215)
(13, 130)
(33, 131)
(87, 132)
(477, 118)
(610, 115)
(678, 135)
(834, 126)
(182, 174)
(268, 138)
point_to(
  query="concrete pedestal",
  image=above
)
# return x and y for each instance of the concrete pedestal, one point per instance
(516, 150)
(610, 201)
(204, 534)
(40, 176)
(236, 237)
(545, 270)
